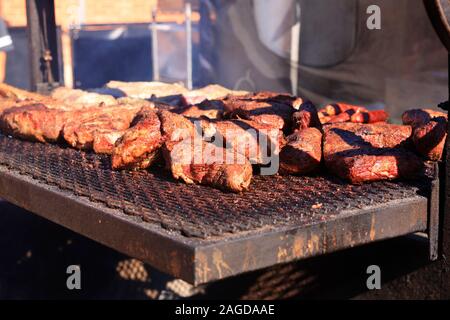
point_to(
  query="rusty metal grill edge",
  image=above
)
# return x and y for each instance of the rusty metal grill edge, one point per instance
(198, 233)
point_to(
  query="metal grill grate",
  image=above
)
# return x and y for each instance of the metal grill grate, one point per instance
(192, 210)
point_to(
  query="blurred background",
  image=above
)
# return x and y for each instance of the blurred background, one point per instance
(318, 49)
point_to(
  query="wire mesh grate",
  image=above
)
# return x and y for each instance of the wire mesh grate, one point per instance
(193, 210)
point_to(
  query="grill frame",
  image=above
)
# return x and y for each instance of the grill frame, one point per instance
(202, 260)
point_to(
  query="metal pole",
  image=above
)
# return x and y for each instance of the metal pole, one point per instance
(445, 292)
(43, 48)
(155, 60)
(188, 14)
(295, 45)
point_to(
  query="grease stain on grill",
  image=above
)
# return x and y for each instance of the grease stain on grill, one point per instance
(192, 210)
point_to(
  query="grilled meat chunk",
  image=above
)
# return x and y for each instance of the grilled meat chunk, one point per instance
(429, 139)
(264, 107)
(429, 131)
(417, 117)
(33, 122)
(195, 161)
(302, 153)
(212, 109)
(156, 91)
(257, 142)
(285, 98)
(80, 132)
(104, 140)
(23, 98)
(209, 92)
(77, 97)
(306, 117)
(136, 102)
(7, 91)
(139, 145)
(6, 103)
(369, 152)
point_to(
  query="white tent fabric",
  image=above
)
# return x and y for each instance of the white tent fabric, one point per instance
(401, 65)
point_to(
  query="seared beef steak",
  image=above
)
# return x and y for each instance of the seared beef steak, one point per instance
(369, 152)
(195, 161)
(429, 131)
(257, 142)
(302, 153)
(264, 107)
(137, 148)
(34, 122)
(306, 117)
(79, 97)
(80, 131)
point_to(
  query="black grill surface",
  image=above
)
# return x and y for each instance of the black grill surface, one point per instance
(192, 210)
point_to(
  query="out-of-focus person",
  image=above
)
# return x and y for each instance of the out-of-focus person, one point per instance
(6, 44)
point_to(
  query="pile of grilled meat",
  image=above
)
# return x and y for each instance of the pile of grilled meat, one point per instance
(218, 137)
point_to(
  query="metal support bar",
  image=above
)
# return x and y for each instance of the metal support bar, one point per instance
(433, 216)
(43, 47)
(295, 51)
(155, 60)
(445, 292)
(188, 14)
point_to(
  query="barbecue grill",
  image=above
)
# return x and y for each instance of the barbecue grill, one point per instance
(197, 233)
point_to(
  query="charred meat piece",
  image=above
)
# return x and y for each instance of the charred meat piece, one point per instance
(264, 107)
(306, 117)
(136, 102)
(104, 140)
(139, 145)
(302, 153)
(209, 92)
(429, 139)
(257, 142)
(212, 109)
(156, 91)
(429, 131)
(7, 91)
(285, 98)
(79, 97)
(196, 161)
(81, 134)
(369, 152)
(23, 98)
(175, 127)
(323, 117)
(6, 103)
(34, 122)
(80, 131)
(212, 170)
(416, 117)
